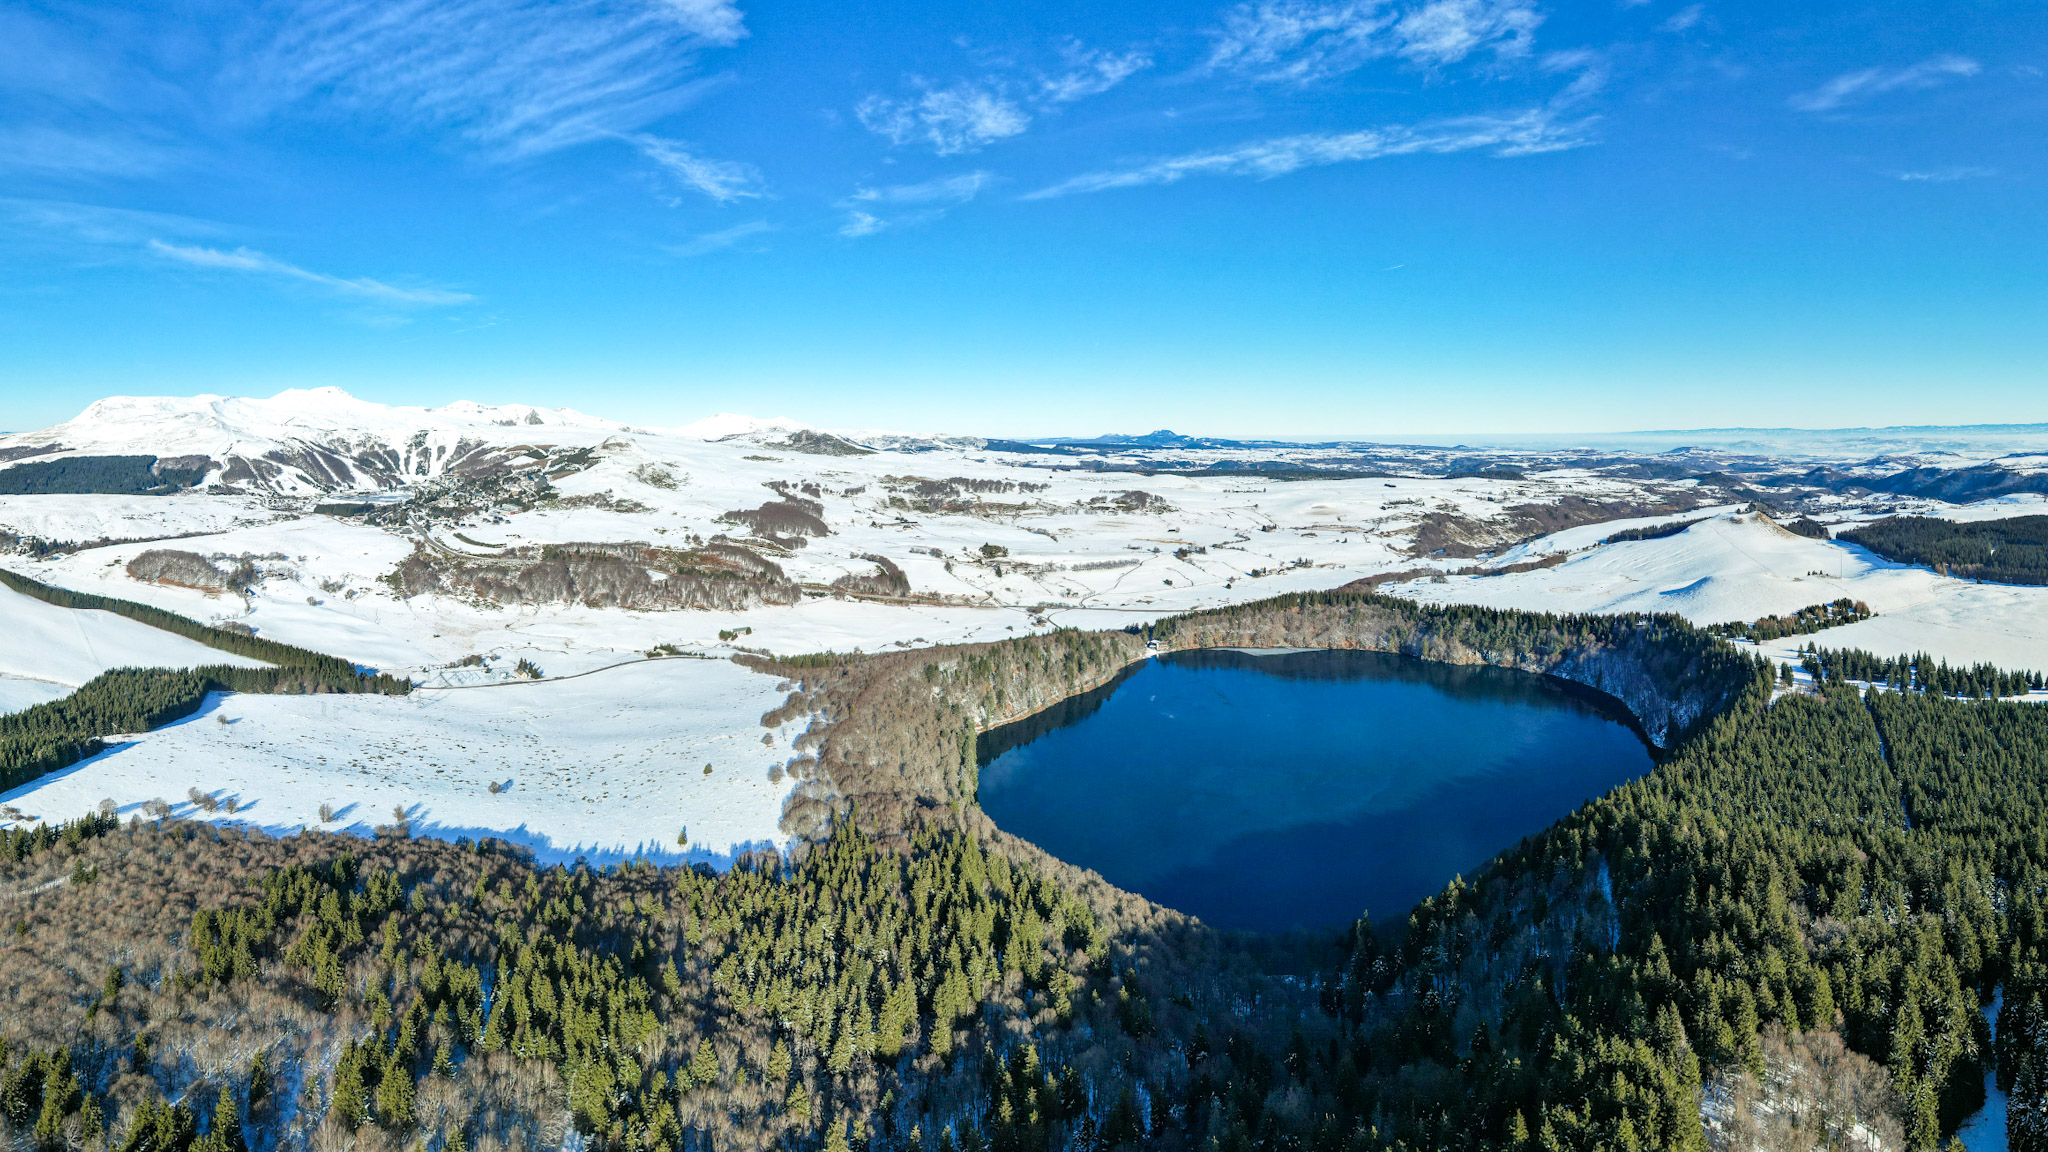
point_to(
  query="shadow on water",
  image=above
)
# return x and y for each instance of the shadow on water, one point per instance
(1298, 789)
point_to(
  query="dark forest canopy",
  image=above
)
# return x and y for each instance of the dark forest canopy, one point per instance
(1805, 621)
(1921, 673)
(1652, 531)
(60, 733)
(115, 475)
(1834, 877)
(2009, 551)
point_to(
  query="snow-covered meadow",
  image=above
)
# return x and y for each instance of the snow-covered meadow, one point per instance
(606, 766)
(48, 651)
(605, 754)
(1742, 567)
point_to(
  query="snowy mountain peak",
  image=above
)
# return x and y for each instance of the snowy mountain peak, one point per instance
(728, 424)
(325, 440)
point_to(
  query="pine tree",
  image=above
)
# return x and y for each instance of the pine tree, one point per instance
(395, 1094)
(351, 1102)
(226, 1133)
(2026, 1109)
(704, 1064)
(899, 1017)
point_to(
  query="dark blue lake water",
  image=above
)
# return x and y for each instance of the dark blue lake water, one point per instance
(1275, 791)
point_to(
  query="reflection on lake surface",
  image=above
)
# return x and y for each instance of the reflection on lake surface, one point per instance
(1300, 789)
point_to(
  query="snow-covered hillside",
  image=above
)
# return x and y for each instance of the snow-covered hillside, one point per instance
(1743, 567)
(307, 440)
(49, 650)
(987, 543)
(451, 544)
(606, 766)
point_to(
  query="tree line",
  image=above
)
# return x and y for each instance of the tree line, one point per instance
(1804, 622)
(1920, 673)
(59, 733)
(2013, 550)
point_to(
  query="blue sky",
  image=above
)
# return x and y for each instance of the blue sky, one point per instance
(1276, 217)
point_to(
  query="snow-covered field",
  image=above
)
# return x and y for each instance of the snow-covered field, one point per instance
(606, 766)
(1742, 567)
(611, 763)
(49, 650)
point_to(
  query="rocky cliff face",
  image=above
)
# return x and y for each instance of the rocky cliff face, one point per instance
(895, 733)
(1666, 673)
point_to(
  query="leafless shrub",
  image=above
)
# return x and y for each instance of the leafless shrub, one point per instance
(657, 476)
(204, 801)
(791, 516)
(888, 579)
(327, 813)
(190, 570)
(157, 809)
(1815, 1094)
(718, 576)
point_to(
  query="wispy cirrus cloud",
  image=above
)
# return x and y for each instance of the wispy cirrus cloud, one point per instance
(48, 150)
(1856, 87)
(925, 201)
(958, 118)
(862, 224)
(1522, 134)
(966, 115)
(1091, 72)
(722, 239)
(1303, 41)
(722, 180)
(945, 190)
(1686, 18)
(1945, 175)
(250, 261)
(513, 77)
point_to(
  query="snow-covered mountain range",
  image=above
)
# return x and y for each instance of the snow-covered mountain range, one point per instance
(452, 544)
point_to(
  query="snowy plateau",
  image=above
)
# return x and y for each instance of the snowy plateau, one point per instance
(568, 592)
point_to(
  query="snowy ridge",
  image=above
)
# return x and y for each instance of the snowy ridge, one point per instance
(881, 541)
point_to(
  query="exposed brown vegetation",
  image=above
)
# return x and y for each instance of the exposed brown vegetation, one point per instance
(1449, 534)
(1814, 1094)
(190, 570)
(887, 580)
(638, 576)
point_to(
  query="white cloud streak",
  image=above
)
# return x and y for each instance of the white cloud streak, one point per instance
(721, 239)
(722, 180)
(968, 114)
(1856, 87)
(1524, 134)
(1685, 18)
(256, 263)
(946, 190)
(951, 120)
(1946, 175)
(514, 77)
(1091, 73)
(44, 149)
(862, 224)
(1303, 41)
(909, 203)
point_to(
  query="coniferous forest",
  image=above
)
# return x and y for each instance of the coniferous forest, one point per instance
(2008, 551)
(62, 732)
(1783, 935)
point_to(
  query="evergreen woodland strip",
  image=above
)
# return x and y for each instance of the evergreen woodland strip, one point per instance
(55, 735)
